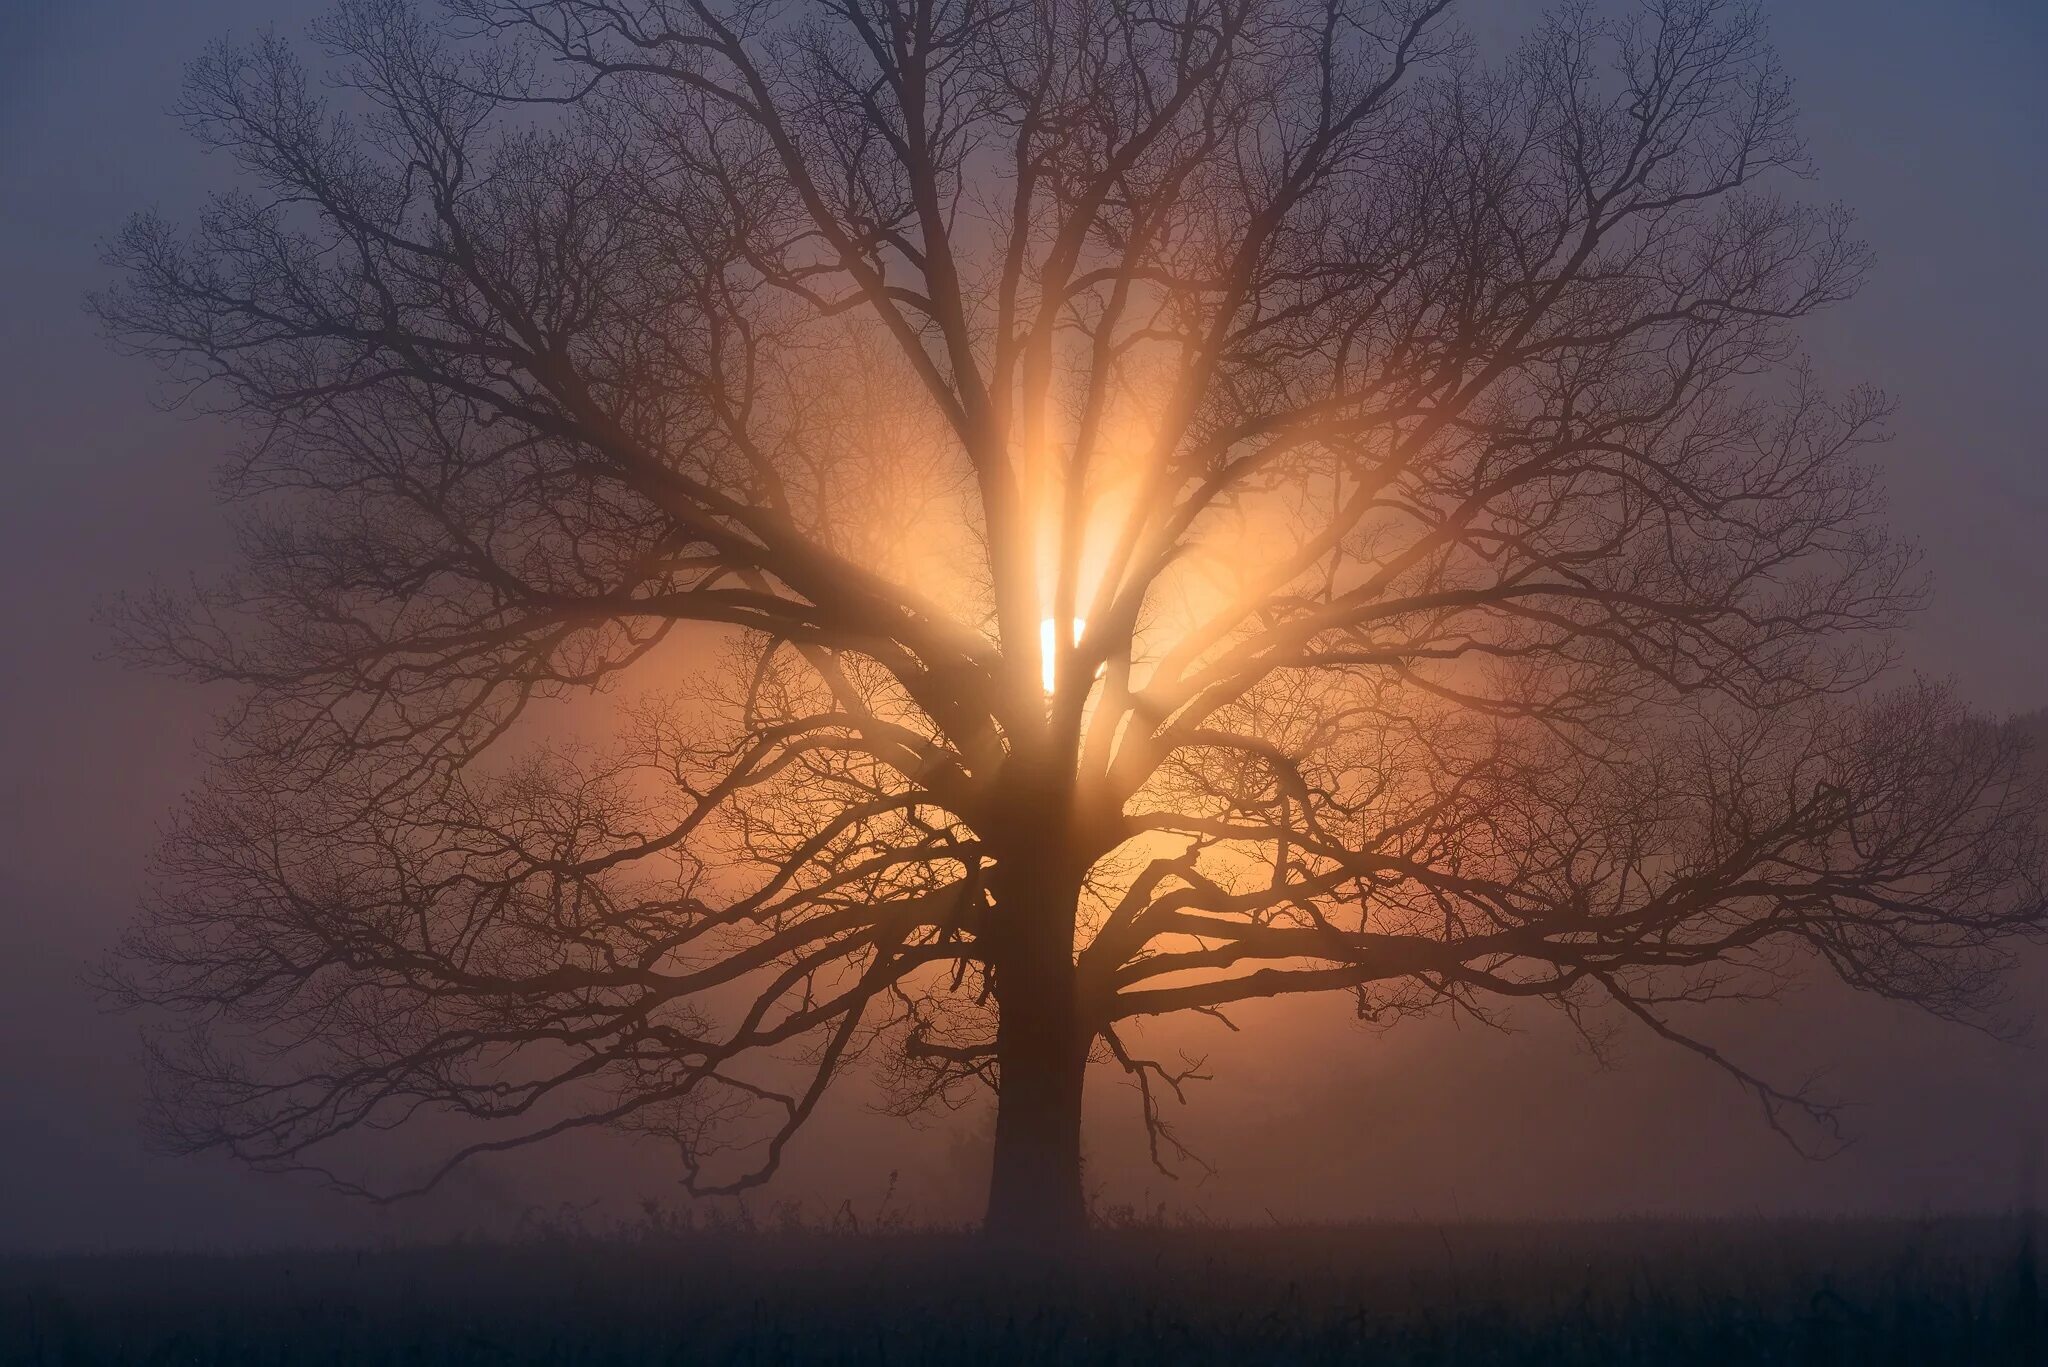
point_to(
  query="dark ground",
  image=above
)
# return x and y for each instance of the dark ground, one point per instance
(1849, 1292)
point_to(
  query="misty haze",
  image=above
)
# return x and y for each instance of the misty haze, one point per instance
(663, 654)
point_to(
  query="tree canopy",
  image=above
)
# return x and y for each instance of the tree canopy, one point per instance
(1061, 512)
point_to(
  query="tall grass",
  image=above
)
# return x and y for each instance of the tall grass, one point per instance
(685, 1291)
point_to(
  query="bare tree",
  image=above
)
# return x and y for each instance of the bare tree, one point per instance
(1180, 501)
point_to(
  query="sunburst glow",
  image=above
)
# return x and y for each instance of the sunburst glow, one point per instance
(1048, 646)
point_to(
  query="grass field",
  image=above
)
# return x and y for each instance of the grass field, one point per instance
(1652, 1292)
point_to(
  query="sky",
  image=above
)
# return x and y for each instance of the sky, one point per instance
(1929, 119)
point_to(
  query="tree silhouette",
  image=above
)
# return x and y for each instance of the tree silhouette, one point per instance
(1170, 502)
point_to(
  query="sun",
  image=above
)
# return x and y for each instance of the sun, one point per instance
(1048, 642)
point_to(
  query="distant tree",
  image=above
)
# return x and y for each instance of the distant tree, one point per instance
(1176, 502)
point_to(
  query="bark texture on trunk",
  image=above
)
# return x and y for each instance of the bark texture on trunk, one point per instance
(1035, 1194)
(1035, 1181)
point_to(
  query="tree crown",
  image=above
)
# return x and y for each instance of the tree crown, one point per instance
(1245, 484)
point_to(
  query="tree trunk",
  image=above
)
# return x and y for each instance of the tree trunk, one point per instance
(1034, 1193)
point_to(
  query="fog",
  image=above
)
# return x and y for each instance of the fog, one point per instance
(1929, 120)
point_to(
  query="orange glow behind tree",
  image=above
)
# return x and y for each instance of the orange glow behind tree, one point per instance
(1474, 596)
